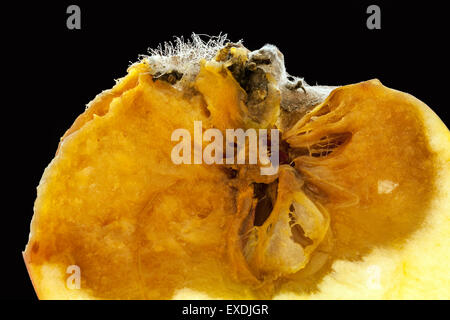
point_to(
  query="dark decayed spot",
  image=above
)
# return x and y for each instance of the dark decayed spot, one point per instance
(171, 77)
(251, 78)
(35, 247)
(298, 234)
(295, 86)
(264, 205)
(256, 86)
(230, 172)
(261, 59)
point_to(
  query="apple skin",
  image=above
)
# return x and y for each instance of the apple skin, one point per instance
(26, 259)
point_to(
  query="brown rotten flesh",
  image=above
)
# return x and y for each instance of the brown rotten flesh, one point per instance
(359, 207)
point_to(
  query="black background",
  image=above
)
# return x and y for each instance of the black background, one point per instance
(56, 71)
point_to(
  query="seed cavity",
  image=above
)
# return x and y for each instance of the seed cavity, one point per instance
(298, 234)
(265, 195)
(327, 144)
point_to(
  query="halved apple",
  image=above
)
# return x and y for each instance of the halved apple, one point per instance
(359, 208)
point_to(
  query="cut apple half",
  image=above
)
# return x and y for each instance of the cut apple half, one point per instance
(359, 207)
